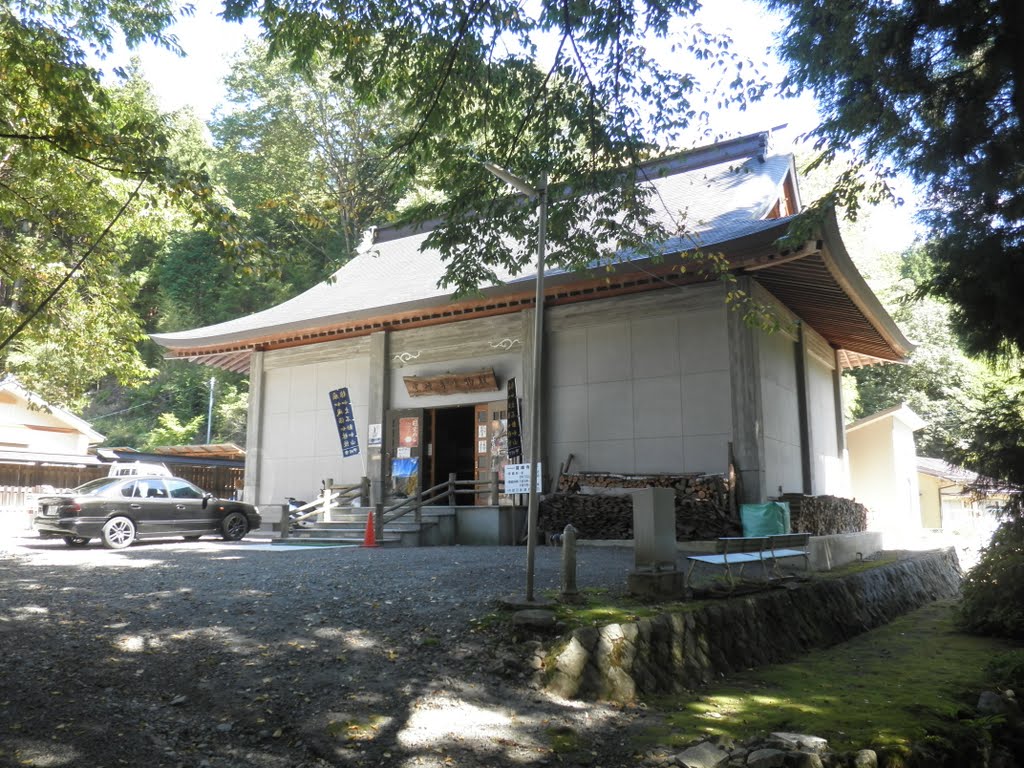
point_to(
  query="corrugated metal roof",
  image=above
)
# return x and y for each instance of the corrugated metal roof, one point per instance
(945, 470)
(35, 457)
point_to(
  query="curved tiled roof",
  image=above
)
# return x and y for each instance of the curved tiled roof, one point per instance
(720, 196)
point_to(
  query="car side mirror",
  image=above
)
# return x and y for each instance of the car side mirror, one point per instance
(206, 499)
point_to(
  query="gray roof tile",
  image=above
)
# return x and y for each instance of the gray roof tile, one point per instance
(710, 205)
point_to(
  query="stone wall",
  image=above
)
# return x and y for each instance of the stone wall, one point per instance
(689, 648)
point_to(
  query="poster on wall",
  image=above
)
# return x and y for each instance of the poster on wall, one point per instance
(405, 474)
(514, 435)
(341, 405)
(409, 432)
(375, 438)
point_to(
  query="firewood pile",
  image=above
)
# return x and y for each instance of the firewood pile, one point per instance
(825, 515)
(704, 507)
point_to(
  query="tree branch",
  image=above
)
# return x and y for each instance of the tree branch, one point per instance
(78, 265)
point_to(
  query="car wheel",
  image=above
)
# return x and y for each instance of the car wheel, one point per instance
(190, 538)
(234, 526)
(118, 533)
(76, 541)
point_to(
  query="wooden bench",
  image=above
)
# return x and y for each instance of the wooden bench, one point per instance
(740, 550)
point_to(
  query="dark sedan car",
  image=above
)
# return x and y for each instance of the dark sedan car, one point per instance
(119, 510)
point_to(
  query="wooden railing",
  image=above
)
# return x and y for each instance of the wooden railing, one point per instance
(338, 496)
(16, 497)
(443, 493)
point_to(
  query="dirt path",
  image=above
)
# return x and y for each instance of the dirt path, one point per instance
(212, 655)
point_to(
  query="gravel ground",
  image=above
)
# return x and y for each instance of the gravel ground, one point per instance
(216, 655)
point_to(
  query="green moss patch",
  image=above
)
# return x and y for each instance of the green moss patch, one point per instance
(886, 688)
(599, 607)
(564, 740)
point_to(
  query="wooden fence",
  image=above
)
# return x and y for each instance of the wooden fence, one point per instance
(20, 484)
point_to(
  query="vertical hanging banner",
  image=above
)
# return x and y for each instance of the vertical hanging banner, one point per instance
(342, 407)
(515, 434)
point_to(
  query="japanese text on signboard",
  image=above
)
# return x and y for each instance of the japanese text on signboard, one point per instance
(342, 408)
(515, 435)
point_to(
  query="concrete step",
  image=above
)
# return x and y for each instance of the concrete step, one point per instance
(338, 525)
(333, 542)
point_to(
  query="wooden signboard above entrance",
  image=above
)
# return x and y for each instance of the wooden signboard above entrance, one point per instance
(451, 383)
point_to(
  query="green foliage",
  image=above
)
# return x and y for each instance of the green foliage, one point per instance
(940, 382)
(230, 414)
(86, 171)
(305, 161)
(1006, 670)
(993, 591)
(994, 447)
(170, 431)
(935, 91)
(464, 79)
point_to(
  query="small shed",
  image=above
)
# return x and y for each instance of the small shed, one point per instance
(957, 500)
(37, 438)
(883, 471)
(40, 445)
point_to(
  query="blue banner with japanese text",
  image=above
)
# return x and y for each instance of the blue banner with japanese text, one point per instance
(342, 407)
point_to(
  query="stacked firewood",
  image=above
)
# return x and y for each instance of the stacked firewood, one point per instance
(594, 517)
(825, 515)
(704, 508)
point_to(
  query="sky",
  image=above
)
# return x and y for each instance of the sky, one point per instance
(196, 80)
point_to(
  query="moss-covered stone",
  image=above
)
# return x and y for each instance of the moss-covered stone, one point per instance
(688, 648)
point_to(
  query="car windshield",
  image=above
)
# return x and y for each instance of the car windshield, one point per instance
(100, 487)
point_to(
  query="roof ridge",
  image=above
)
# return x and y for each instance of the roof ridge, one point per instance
(746, 147)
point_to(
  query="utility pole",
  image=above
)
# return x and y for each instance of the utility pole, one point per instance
(209, 413)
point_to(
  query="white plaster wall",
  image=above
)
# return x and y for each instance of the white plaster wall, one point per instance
(300, 445)
(829, 470)
(640, 391)
(928, 488)
(783, 473)
(906, 492)
(872, 478)
(16, 420)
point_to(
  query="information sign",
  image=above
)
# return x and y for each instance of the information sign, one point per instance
(517, 478)
(342, 408)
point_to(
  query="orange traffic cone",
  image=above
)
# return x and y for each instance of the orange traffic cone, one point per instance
(370, 537)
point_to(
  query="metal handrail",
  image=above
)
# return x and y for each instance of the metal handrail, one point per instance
(329, 496)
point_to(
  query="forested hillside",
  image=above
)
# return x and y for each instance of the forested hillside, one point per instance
(299, 170)
(117, 220)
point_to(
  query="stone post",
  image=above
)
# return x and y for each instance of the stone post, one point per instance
(569, 591)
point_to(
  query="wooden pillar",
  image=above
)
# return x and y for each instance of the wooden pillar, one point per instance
(803, 410)
(254, 430)
(837, 388)
(380, 399)
(747, 403)
(841, 451)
